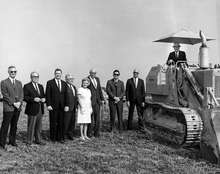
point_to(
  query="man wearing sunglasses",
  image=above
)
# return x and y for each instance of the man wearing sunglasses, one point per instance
(116, 92)
(35, 98)
(12, 102)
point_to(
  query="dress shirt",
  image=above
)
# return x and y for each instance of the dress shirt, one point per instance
(94, 82)
(36, 87)
(136, 82)
(12, 80)
(73, 90)
(177, 53)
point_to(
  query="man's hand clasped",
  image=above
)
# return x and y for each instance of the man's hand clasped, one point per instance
(117, 99)
(37, 99)
(49, 108)
(17, 105)
(66, 108)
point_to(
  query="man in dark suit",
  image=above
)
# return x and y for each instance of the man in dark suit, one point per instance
(35, 98)
(12, 93)
(135, 96)
(97, 99)
(176, 55)
(70, 116)
(116, 92)
(57, 104)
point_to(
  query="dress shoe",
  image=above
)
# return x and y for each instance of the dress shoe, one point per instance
(28, 143)
(2, 147)
(97, 135)
(40, 143)
(13, 144)
(70, 137)
(62, 141)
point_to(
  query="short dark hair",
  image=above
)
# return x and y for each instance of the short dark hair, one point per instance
(58, 69)
(116, 71)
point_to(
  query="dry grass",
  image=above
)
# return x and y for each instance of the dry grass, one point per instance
(129, 152)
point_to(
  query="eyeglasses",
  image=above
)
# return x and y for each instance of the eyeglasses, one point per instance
(35, 76)
(13, 72)
(116, 74)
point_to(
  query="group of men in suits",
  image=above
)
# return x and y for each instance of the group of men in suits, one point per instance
(134, 94)
(61, 101)
(60, 98)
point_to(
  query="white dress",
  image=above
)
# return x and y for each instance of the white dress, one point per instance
(85, 106)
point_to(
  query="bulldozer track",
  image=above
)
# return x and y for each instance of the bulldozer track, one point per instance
(192, 121)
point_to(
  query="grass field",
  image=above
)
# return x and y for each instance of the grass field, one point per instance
(128, 152)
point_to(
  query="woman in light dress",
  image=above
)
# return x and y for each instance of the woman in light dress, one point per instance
(84, 108)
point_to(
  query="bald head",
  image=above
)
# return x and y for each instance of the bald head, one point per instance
(92, 73)
(69, 78)
(176, 46)
(135, 73)
(34, 77)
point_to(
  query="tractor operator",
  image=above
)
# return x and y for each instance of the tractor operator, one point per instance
(176, 55)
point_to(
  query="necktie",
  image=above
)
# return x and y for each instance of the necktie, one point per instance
(135, 82)
(59, 85)
(13, 83)
(177, 54)
(94, 82)
(72, 88)
(37, 89)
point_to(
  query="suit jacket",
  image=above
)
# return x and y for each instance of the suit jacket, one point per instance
(172, 56)
(135, 94)
(32, 107)
(72, 99)
(96, 93)
(54, 97)
(115, 89)
(11, 94)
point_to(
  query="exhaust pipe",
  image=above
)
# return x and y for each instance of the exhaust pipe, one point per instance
(203, 52)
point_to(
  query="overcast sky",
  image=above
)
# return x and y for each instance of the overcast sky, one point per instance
(76, 35)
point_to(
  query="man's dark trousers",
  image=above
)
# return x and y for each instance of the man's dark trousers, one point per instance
(116, 108)
(34, 127)
(9, 118)
(57, 125)
(131, 112)
(69, 123)
(96, 119)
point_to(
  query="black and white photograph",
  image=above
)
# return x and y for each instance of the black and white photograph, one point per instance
(110, 86)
